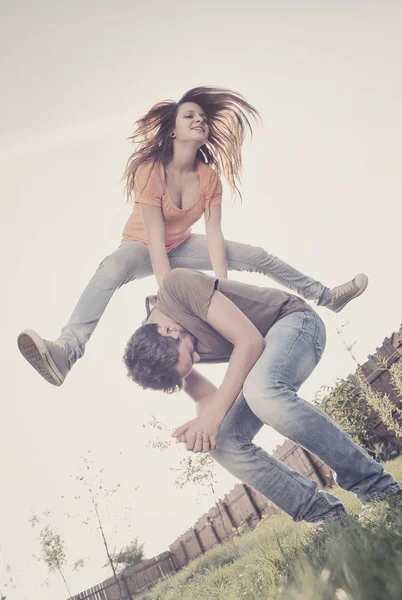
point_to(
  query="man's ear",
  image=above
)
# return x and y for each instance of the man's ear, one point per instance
(168, 330)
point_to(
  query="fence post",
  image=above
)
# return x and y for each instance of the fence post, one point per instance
(228, 513)
(211, 523)
(252, 501)
(124, 580)
(197, 536)
(183, 547)
(172, 562)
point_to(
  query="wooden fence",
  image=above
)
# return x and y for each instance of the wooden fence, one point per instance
(133, 580)
(244, 506)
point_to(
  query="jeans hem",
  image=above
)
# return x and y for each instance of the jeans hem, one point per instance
(336, 516)
(325, 297)
(379, 496)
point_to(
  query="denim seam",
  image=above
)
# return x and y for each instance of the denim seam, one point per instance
(239, 417)
(291, 347)
(315, 339)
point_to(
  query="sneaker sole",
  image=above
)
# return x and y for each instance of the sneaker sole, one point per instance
(361, 289)
(34, 350)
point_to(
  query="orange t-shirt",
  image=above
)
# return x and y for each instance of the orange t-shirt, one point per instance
(150, 188)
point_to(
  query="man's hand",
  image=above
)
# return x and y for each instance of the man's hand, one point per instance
(199, 434)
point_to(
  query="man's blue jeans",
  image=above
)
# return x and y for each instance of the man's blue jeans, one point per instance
(294, 346)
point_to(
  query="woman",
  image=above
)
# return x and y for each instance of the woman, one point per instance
(174, 178)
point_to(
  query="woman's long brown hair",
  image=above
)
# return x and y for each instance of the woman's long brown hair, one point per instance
(228, 116)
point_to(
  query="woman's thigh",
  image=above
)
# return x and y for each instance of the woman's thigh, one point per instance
(193, 253)
(130, 261)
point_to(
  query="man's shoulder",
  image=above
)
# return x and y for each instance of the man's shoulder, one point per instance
(173, 282)
(187, 290)
(181, 281)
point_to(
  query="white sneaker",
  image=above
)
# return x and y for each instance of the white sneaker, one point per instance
(342, 294)
(48, 358)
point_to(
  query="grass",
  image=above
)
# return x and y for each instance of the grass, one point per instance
(282, 560)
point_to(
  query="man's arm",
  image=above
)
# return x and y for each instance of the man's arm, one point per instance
(200, 389)
(225, 317)
(228, 320)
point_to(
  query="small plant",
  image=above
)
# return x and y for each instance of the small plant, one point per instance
(237, 531)
(53, 552)
(198, 469)
(129, 556)
(381, 403)
(351, 413)
(96, 490)
(395, 372)
(358, 408)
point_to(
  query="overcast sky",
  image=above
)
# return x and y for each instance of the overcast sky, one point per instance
(321, 189)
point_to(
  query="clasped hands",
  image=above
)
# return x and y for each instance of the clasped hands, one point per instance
(199, 434)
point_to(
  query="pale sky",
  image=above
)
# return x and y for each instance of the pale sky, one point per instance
(321, 189)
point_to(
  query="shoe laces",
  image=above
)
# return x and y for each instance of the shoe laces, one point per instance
(59, 345)
(343, 289)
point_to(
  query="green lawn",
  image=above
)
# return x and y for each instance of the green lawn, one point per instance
(282, 560)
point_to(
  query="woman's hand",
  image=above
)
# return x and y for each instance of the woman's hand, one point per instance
(199, 434)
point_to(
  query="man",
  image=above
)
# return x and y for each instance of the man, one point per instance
(272, 340)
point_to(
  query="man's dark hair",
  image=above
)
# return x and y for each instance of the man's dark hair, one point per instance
(151, 359)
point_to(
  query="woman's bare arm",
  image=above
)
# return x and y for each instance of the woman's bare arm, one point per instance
(155, 230)
(216, 241)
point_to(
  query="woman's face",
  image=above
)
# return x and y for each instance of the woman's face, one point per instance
(191, 124)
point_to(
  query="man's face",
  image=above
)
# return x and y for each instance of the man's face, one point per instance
(187, 354)
(186, 347)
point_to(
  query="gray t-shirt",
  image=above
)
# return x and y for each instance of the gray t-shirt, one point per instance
(185, 296)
